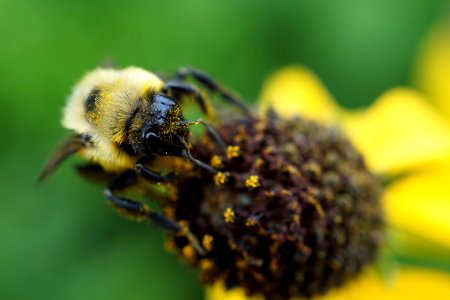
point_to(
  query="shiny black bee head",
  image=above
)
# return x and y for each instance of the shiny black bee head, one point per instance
(164, 131)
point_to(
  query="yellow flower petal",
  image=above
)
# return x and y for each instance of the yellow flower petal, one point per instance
(409, 283)
(399, 132)
(296, 90)
(433, 72)
(418, 247)
(420, 204)
(218, 292)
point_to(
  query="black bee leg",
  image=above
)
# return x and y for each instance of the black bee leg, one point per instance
(213, 86)
(123, 181)
(141, 211)
(130, 208)
(211, 131)
(93, 172)
(153, 176)
(194, 160)
(183, 88)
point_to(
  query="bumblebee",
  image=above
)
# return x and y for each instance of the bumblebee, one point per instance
(122, 120)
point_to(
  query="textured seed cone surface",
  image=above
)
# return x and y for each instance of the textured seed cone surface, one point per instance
(292, 212)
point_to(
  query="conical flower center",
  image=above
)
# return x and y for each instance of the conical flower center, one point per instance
(293, 211)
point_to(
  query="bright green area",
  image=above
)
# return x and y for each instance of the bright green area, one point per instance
(60, 240)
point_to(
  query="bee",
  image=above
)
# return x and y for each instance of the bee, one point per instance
(122, 120)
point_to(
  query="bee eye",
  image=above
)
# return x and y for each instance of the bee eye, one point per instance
(91, 100)
(155, 145)
(151, 140)
(86, 138)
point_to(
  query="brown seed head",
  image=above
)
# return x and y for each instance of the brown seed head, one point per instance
(298, 214)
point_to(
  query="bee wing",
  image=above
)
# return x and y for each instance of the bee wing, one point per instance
(72, 145)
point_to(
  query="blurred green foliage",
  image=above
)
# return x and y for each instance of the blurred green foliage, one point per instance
(60, 240)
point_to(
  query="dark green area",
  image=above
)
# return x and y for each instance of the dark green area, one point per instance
(60, 240)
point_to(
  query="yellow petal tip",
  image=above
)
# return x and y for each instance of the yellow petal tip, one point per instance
(295, 90)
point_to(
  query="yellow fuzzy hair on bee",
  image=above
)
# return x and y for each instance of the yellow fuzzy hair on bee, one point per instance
(117, 97)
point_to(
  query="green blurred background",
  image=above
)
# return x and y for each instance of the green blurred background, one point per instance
(60, 240)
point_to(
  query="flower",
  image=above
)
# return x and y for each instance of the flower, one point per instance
(296, 214)
(404, 138)
(407, 141)
(433, 69)
(294, 210)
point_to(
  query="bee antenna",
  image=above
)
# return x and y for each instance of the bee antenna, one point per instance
(194, 160)
(211, 131)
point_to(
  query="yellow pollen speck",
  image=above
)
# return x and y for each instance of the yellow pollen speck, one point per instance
(269, 194)
(229, 215)
(169, 212)
(269, 150)
(207, 241)
(188, 252)
(232, 245)
(184, 225)
(316, 205)
(291, 170)
(285, 193)
(232, 151)
(216, 162)
(258, 163)
(184, 228)
(252, 182)
(206, 264)
(252, 221)
(274, 266)
(172, 193)
(169, 245)
(241, 263)
(220, 178)
(238, 138)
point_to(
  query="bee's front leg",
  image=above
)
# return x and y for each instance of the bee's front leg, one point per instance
(179, 88)
(213, 86)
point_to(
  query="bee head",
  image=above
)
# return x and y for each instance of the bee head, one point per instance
(164, 132)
